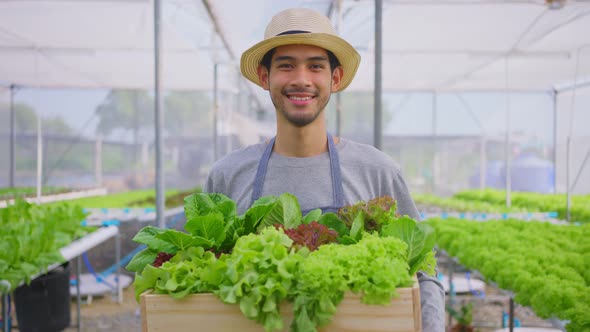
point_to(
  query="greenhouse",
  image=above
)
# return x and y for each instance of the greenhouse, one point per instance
(161, 167)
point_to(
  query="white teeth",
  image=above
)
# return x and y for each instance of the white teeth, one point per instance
(299, 98)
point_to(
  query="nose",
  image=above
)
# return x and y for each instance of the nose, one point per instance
(301, 77)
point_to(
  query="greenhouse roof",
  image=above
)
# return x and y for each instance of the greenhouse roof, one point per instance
(442, 45)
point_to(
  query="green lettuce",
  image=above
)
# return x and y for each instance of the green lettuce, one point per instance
(32, 236)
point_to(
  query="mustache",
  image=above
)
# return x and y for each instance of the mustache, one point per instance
(300, 90)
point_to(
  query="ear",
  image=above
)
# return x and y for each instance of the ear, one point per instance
(263, 76)
(337, 78)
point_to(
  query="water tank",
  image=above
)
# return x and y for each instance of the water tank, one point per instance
(531, 173)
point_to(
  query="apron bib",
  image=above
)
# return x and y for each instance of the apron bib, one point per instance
(337, 190)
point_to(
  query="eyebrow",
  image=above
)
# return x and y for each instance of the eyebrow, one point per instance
(291, 58)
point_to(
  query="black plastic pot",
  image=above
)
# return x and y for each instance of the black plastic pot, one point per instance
(44, 305)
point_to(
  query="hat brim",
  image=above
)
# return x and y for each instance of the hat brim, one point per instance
(347, 55)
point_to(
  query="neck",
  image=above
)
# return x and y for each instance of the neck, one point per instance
(301, 142)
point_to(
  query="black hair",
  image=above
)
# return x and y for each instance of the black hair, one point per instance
(267, 59)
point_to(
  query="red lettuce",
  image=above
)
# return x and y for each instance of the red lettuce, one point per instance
(311, 235)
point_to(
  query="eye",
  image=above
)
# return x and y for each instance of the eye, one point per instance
(284, 66)
(317, 66)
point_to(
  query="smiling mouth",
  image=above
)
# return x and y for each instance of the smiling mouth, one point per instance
(298, 98)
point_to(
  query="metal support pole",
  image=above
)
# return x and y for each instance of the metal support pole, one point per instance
(118, 262)
(508, 156)
(434, 145)
(568, 163)
(136, 107)
(378, 49)
(215, 111)
(98, 161)
(511, 314)
(229, 115)
(39, 159)
(555, 92)
(159, 120)
(145, 153)
(451, 287)
(508, 151)
(584, 162)
(12, 137)
(78, 297)
(5, 315)
(482, 163)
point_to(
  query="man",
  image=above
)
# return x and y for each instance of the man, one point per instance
(301, 62)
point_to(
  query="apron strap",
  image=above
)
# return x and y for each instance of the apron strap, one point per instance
(261, 171)
(337, 189)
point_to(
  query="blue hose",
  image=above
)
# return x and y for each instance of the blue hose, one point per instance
(476, 293)
(91, 270)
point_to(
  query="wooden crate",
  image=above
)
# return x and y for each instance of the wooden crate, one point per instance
(205, 312)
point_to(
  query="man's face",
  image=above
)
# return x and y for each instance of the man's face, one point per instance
(300, 82)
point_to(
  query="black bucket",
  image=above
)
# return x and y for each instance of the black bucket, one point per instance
(44, 305)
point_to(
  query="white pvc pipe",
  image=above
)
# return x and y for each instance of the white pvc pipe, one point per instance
(167, 213)
(482, 163)
(87, 242)
(568, 162)
(39, 159)
(60, 197)
(98, 161)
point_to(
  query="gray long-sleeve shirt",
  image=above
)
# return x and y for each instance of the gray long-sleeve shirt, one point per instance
(366, 173)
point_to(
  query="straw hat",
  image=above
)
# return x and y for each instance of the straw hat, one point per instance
(301, 26)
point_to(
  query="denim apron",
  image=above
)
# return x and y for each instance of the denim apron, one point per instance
(337, 190)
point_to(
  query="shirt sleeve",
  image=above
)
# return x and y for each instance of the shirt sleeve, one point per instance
(214, 182)
(208, 184)
(432, 302)
(405, 203)
(432, 294)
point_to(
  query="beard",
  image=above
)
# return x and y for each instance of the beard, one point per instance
(299, 119)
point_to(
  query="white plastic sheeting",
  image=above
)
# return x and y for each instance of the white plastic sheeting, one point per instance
(104, 44)
(428, 45)
(446, 45)
(434, 47)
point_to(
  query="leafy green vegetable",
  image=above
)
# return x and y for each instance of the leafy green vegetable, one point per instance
(141, 260)
(379, 215)
(32, 236)
(374, 267)
(272, 255)
(494, 200)
(376, 213)
(260, 273)
(313, 215)
(248, 223)
(420, 240)
(546, 265)
(190, 271)
(208, 215)
(287, 212)
(210, 227)
(332, 221)
(311, 236)
(202, 204)
(183, 241)
(148, 236)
